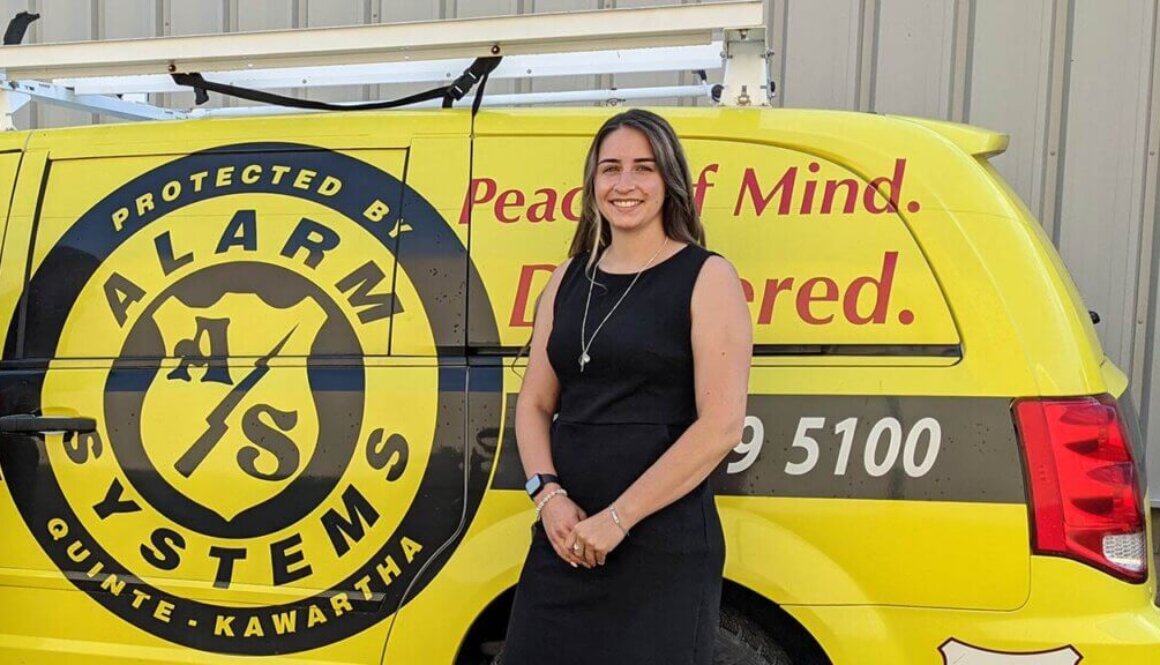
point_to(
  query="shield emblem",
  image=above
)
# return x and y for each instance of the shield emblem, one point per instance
(232, 420)
(955, 652)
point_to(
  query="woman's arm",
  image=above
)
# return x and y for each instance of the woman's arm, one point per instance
(722, 339)
(534, 409)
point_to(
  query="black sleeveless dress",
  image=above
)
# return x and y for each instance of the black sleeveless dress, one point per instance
(656, 600)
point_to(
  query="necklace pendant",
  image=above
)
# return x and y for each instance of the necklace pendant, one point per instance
(584, 359)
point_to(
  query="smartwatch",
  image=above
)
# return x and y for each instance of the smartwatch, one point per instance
(537, 482)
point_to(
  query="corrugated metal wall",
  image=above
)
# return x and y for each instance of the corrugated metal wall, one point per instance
(1073, 81)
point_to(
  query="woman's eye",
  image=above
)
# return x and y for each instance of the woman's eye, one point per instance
(644, 168)
(610, 169)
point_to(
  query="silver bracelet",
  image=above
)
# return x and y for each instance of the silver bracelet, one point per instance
(616, 519)
(559, 491)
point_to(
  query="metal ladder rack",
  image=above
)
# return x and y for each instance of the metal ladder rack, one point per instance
(114, 77)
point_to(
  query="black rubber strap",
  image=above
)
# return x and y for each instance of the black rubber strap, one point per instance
(479, 95)
(17, 27)
(201, 85)
(478, 71)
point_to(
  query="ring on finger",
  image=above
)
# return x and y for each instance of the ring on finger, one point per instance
(576, 547)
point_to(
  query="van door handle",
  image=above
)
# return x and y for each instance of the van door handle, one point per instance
(26, 423)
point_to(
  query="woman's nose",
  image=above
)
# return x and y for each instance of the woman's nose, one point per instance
(625, 181)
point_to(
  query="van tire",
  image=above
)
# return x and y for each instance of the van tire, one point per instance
(739, 642)
(742, 642)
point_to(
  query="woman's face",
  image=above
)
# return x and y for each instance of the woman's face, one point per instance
(629, 189)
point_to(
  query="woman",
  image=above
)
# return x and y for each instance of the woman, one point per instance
(641, 345)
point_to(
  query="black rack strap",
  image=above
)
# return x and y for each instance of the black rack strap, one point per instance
(479, 70)
(17, 27)
(478, 95)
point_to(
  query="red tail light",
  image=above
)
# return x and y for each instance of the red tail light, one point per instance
(1086, 500)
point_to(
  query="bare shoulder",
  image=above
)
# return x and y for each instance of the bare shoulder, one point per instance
(718, 301)
(560, 269)
(558, 274)
(548, 296)
(717, 277)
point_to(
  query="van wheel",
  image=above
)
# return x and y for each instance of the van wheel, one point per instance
(742, 642)
(739, 642)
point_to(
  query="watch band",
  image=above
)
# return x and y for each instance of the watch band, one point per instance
(538, 481)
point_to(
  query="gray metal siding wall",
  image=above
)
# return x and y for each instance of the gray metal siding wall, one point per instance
(1075, 82)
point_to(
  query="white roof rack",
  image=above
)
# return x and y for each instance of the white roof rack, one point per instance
(112, 77)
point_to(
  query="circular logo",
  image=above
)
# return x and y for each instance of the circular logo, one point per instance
(264, 477)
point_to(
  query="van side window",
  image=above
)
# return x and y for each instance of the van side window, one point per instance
(827, 261)
(215, 255)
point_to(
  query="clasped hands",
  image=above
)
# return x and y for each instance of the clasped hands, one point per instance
(578, 539)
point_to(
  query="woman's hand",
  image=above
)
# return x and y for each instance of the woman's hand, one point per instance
(558, 517)
(593, 538)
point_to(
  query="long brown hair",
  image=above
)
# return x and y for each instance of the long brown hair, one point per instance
(679, 211)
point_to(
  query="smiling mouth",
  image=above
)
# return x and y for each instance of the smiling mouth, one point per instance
(626, 205)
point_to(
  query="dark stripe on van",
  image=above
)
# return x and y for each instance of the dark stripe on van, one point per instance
(976, 457)
(906, 350)
(873, 350)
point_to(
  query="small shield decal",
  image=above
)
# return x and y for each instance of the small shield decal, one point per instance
(955, 652)
(255, 426)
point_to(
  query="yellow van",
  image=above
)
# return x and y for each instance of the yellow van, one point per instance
(259, 374)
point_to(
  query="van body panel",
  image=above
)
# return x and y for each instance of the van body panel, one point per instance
(970, 139)
(902, 295)
(9, 163)
(432, 627)
(61, 627)
(917, 554)
(242, 295)
(438, 169)
(901, 499)
(1049, 256)
(13, 141)
(1071, 607)
(1114, 378)
(1016, 330)
(353, 130)
(17, 232)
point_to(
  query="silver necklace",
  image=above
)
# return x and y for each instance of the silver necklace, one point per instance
(584, 357)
